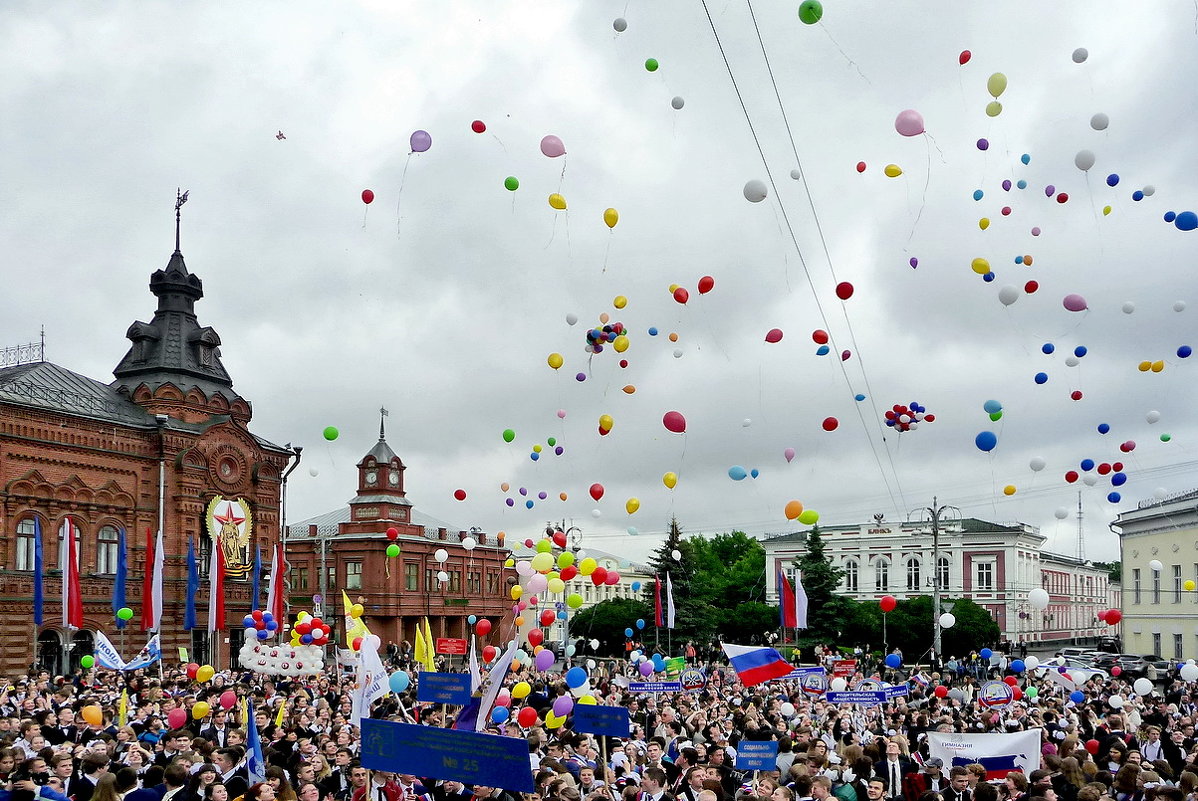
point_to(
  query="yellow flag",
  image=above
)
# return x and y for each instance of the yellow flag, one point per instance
(430, 649)
(282, 713)
(243, 710)
(123, 713)
(419, 645)
(354, 626)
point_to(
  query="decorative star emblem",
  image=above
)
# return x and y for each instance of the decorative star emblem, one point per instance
(230, 516)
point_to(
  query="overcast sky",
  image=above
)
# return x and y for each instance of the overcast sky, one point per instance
(443, 299)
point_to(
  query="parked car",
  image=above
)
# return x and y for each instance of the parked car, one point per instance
(1078, 668)
(1163, 666)
(1129, 664)
(1109, 645)
(1071, 652)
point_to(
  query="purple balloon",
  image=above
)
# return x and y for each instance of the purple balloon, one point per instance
(563, 705)
(544, 661)
(983, 144)
(646, 668)
(510, 502)
(1050, 190)
(580, 377)
(1006, 185)
(421, 141)
(559, 450)
(1074, 303)
(914, 262)
(524, 490)
(789, 453)
(1036, 231)
(542, 495)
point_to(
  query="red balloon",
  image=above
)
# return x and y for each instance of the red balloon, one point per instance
(527, 717)
(535, 637)
(569, 572)
(1071, 476)
(392, 533)
(860, 166)
(681, 295)
(1117, 467)
(478, 126)
(1063, 197)
(888, 603)
(845, 355)
(1031, 286)
(706, 284)
(941, 691)
(1103, 469)
(1113, 616)
(547, 617)
(257, 615)
(674, 421)
(830, 423)
(929, 418)
(1016, 694)
(963, 59)
(820, 336)
(1011, 680)
(1092, 746)
(303, 627)
(357, 643)
(460, 494)
(774, 335)
(192, 669)
(623, 362)
(1116, 670)
(596, 491)
(1006, 211)
(844, 290)
(483, 627)
(1076, 394)
(367, 196)
(559, 538)
(317, 623)
(489, 652)
(598, 576)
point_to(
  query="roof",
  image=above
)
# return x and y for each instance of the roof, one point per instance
(327, 523)
(965, 525)
(47, 386)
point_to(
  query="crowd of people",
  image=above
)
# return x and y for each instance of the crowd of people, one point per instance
(1108, 745)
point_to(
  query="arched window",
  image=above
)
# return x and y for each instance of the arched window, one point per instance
(913, 575)
(26, 543)
(942, 573)
(850, 575)
(882, 576)
(106, 550)
(62, 530)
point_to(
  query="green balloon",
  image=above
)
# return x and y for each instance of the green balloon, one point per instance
(508, 435)
(331, 433)
(651, 64)
(511, 183)
(996, 416)
(88, 661)
(393, 550)
(125, 613)
(1166, 437)
(811, 11)
(551, 441)
(1031, 692)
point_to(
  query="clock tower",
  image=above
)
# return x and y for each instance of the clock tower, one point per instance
(380, 483)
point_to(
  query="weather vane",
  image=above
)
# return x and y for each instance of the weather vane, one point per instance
(180, 199)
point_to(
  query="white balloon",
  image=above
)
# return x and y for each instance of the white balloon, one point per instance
(1089, 479)
(571, 318)
(1080, 55)
(1153, 416)
(470, 543)
(1038, 598)
(1129, 307)
(948, 620)
(594, 643)
(1032, 662)
(620, 24)
(796, 174)
(676, 555)
(591, 664)
(1155, 566)
(788, 709)
(1179, 306)
(1072, 361)
(838, 684)
(312, 471)
(677, 353)
(746, 423)
(1037, 463)
(1160, 493)
(1060, 660)
(1008, 295)
(1149, 190)
(442, 576)
(596, 513)
(632, 531)
(1189, 672)
(1116, 701)
(524, 567)
(440, 554)
(755, 191)
(1061, 513)
(1100, 121)
(1084, 160)
(1142, 687)
(677, 102)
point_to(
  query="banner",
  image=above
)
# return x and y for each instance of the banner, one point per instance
(997, 753)
(107, 656)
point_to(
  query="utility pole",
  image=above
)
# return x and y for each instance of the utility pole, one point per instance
(935, 514)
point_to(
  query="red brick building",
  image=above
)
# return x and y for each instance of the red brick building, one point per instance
(167, 440)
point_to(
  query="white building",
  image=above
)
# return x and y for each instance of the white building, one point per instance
(994, 565)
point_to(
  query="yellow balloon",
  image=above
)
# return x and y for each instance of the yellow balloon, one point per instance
(200, 709)
(993, 108)
(632, 504)
(1145, 366)
(357, 610)
(1189, 585)
(1106, 210)
(538, 650)
(629, 389)
(893, 171)
(302, 616)
(984, 223)
(510, 562)
(996, 84)
(557, 201)
(552, 721)
(673, 288)
(521, 690)
(981, 266)
(555, 361)
(205, 673)
(516, 592)
(574, 600)
(611, 217)
(587, 566)
(620, 343)
(589, 700)
(1157, 366)
(537, 449)
(620, 301)
(557, 586)
(552, 574)
(670, 480)
(1009, 489)
(542, 562)
(565, 559)
(606, 422)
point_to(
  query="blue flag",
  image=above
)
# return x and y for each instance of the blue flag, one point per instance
(257, 579)
(37, 570)
(118, 584)
(255, 763)
(193, 586)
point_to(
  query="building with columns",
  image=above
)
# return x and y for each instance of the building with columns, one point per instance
(995, 565)
(166, 443)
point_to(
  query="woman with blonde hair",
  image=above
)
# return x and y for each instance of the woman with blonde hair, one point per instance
(106, 789)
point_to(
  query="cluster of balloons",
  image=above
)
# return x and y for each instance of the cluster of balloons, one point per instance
(310, 630)
(794, 511)
(260, 625)
(393, 534)
(908, 418)
(613, 333)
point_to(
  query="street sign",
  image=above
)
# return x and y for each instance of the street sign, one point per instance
(451, 645)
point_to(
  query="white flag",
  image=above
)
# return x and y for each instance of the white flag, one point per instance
(156, 582)
(372, 679)
(498, 674)
(997, 753)
(476, 676)
(800, 603)
(669, 602)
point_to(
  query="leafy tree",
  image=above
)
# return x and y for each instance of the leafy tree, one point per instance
(909, 627)
(821, 579)
(747, 621)
(607, 620)
(1114, 569)
(694, 619)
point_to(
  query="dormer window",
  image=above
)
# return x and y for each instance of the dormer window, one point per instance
(207, 347)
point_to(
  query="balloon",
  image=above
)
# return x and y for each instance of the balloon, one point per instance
(983, 144)
(544, 659)
(483, 627)
(893, 171)
(205, 673)
(420, 141)
(755, 191)
(228, 699)
(1038, 598)
(963, 59)
(124, 613)
(330, 433)
(706, 284)
(909, 123)
(1037, 464)
(980, 266)
(1080, 55)
(87, 661)
(894, 661)
(1099, 122)
(1084, 160)
(793, 510)
(478, 126)
(200, 710)
(677, 102)
(620, 24)
(844, 290)
(996, 84)
(985, 441)
(1008, 295)
(681, 295)
(556, 201)
(941, 691)
(1074, 303)
(459, 494)
(789, 454)
(552, 147)
(993, 108)
(441, 554)
(948, 620)
(674, 422)
(1142, 687)
(888, 603)
(810, 11)
(562, 705)
(773, 335)
(651, 64)
(367, 196)
(809, 517)
(521, 690)
(192, 671)
(670, 480)
(1186, 221)
(596, 491)
(631, 505)
(575, 677)
(1189, 672)
(611, 217)
(511, 183)
(830, 424)
(737, 473)
(176, 718)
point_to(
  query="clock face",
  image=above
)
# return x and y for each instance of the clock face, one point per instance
(371, 476)
(393, 477)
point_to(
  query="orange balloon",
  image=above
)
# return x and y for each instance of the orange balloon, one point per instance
(793, 510)
(562, 495)
(629, 389)
(673, 337)
(519, 620)
(603, 318)
(93, 714)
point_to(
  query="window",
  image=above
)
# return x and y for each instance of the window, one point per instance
(1156, 588)
(913, 575)
(299, 579)
(205, 557)
(493, 583)
(986, 576)
(1135, 584)
(1177, 647)
(474, 583)
(850, 575)
(353, 575)
(942, 573)
(1156, 643)
(455, 581)
(411, 576)
(882, 576)
(26, 532)
(430, 579)
(107, 547)
(1176, 584)
(330, 577)
(58, 548)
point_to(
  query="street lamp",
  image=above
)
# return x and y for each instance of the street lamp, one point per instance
(935, 514)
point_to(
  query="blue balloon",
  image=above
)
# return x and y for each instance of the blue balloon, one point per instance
(985, 653)
(472, 619)
(576, 677)
(1112, 180)
(1019, 259)
(1104, 428)
(653, 331)
(1077, 696)
(1018, 666)
(822, 350)
(627, 632)
(267, 617)
(640, 623)
(1118, 479)
(1022, 184)
(754, 473)
(988, 277)
(398, 681)
(262, 634)
(1087, 464)
(272, 625)
(1026, 158)
(534, 456)
(499, 714)
(894, 661)
(1137, 195)
(1170, 216)
(1114, 497)
(1062, 669)
(985, 441)
(1047, 348)
(1080, 351)
(992, 406)
(659, 662)
(977, 194)
(562, 615)
(248, 621)
(1186, 221)
(858, 397)
(636, 586)
(529, 504)
(306, 639)
(737, 473)
(1184, 352)
(1041, 378)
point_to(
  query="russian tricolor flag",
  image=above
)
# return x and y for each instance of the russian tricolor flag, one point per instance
(756, 665)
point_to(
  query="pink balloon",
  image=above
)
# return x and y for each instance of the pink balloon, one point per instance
(561, 413)
(228, 699)
(177, 718)
(845, 355)
(789, 453)
(675, 422)
(1074, 303)
(552, 147)
(909, 123)
(612, 578)
(420, 141)
(774, 335)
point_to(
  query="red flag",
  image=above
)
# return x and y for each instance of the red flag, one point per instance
(147, 585)
(786, 601)
(216, 588)
(72, 598)
(274, 590)
(657, 618)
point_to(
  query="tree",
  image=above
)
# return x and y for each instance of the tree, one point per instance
(695, 620)
(1114, 569)
(909, 628)
(607, 620)
(821, 579)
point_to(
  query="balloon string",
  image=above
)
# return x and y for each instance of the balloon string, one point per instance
(399, 199)
(607, 252)
(552, 233)
(561, 179)
(364, 213)
(924, 200)
(852, 63)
